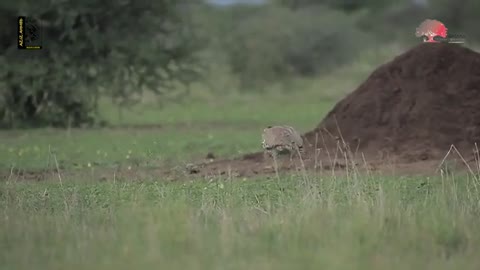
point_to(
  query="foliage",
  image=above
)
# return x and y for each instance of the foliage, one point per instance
(91, 49)
(360, 222)
(278, 42)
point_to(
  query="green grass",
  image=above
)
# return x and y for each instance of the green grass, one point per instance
(357, 223)
(226, 129)
(221, 120)
(323, 222)
(225, 136)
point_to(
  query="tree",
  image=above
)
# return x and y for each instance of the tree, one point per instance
(91, 48)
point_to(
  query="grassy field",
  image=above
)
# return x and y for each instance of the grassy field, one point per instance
(225, 130)
(218, 120)
(320, 221)
(329, 223)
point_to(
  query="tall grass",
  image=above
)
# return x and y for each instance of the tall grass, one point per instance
(327, 222)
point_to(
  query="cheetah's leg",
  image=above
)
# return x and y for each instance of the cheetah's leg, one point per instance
(299, 153)
(275, 163)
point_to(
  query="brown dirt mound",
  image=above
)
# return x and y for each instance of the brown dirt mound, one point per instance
(414, 107)
(410, 109)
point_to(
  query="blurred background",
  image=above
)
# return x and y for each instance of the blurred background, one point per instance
(111, 62)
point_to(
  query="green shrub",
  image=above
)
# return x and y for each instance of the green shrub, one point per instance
(91, 48)
(280, 42)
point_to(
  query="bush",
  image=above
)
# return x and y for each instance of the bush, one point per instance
(91, 48)
(280, 42)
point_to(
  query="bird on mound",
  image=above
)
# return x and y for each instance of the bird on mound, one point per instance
(279, 140)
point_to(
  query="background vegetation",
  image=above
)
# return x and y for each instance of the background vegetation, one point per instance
(142, 86)
(94, 50)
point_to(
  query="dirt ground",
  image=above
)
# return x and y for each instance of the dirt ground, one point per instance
(254, 165)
